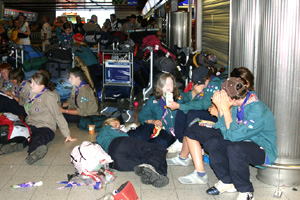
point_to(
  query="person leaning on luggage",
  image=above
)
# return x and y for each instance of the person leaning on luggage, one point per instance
(82, 101)
(43, 115)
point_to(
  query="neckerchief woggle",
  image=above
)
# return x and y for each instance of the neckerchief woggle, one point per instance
(17, 93)
(163, 106)
(83, 83)
(240, 111)
(37, 96)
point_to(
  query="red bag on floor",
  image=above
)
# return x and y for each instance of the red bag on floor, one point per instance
(126, 192)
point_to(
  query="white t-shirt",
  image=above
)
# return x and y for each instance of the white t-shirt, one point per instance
(46, 29)
(25, 41)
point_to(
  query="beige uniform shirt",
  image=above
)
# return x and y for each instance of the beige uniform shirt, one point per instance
(23, 94)
(6, 86)
(86, 101)
(44, 112)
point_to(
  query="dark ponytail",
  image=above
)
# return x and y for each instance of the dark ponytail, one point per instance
(41, 79)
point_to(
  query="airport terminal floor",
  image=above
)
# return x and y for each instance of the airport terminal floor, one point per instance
(55, 166)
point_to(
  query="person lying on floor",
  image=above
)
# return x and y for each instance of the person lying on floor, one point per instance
(82, 101)
(158, 121)
(147, 160)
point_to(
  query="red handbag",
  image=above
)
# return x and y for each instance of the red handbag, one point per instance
(126, 192)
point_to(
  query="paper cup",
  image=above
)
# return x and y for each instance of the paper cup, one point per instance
(91, 129)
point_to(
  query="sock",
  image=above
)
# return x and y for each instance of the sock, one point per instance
(181, 157)
(201, 174)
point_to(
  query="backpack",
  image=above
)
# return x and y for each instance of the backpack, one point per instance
(154, 42)
(88, 158)
(89, 120)
(12, 129)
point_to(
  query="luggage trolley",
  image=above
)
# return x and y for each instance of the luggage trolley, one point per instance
(117, 71)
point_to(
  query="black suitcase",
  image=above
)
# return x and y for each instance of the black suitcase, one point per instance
(59, 70)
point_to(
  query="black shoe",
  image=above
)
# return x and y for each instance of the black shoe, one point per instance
(213, 191)
(36, 155)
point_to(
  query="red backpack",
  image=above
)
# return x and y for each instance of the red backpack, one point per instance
(12, 129)
(154, 42)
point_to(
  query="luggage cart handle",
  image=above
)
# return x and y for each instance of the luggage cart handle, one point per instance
(148, 90)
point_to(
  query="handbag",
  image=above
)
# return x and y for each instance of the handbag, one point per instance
(22, 35)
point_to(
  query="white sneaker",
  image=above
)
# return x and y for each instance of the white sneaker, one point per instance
(177, 161)
(193, 178)
(175, 147)
(245, 196)
(225, 187)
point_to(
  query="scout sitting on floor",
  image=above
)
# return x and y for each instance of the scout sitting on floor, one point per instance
(82, 101)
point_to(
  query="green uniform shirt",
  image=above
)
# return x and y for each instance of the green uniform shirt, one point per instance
(152, 110)
(257, 126)
(107, 134)
(6, 86)
(203, 101)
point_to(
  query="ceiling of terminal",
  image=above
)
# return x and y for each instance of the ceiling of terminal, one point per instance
(40, 5)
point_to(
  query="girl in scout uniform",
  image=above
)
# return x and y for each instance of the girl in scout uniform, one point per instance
(43, 115)
(155, 115)
(205, 84)
(6, 85)
(131, 154)
(82, 101)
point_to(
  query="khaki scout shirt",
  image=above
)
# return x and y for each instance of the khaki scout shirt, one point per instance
(44, 112)
(23, 94)
(86, 101)
(8, 88)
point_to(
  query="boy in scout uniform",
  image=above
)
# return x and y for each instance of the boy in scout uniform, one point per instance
(6, 86)
(82, 101)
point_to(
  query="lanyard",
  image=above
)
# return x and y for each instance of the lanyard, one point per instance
(240, 111)
(17, 93)
(83, 83)
(28, 104)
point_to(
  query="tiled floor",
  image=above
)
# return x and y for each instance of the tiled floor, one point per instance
(56, 165)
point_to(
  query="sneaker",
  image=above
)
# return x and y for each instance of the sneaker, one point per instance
(175, 147)
(13, 147)
(150, 176)
(193, 178)
(221, 187)
(245, 196)
(37, 154)
(177, 161)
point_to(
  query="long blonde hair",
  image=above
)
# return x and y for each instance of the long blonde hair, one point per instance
(109, 120)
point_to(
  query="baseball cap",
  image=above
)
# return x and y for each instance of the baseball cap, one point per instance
(199, 74)
(235, 87)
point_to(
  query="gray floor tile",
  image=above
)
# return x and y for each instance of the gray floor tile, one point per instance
(31, 170)
(158, 193)
(8, 170)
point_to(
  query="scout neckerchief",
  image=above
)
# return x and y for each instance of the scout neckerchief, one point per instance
(68, 38)
(7, 83)
(17, 92)
(28, 104)
(83, 83)
(240, 111)
(165, 112)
